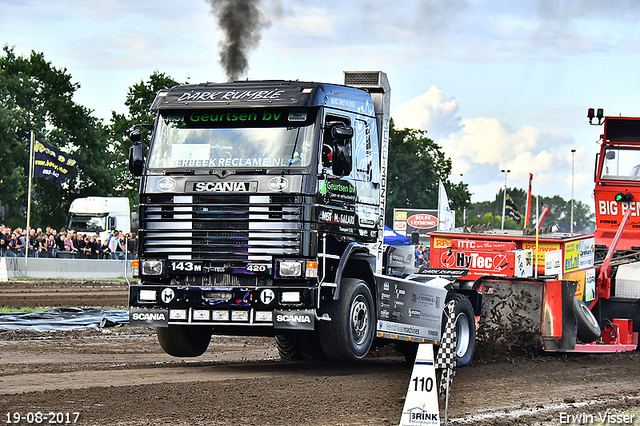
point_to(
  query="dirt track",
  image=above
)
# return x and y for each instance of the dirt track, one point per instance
(120, 376)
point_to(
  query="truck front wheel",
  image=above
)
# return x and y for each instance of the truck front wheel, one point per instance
(184, 340)
(349, 335)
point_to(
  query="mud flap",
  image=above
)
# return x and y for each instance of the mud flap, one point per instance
(559, 324)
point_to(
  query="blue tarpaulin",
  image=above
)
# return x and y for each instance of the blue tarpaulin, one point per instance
(392, 238)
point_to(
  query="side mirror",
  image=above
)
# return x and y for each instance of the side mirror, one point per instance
(135, 135)
(136, 159)
(341, 131)
(112, 223)
(611, 155)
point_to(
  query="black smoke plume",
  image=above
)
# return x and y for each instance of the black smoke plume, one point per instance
(242, 21)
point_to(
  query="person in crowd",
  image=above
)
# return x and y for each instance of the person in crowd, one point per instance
(419, 254)
(80, 245)
(4, 240)
(68, 242)
(113, 243)
(52, 248)
(60, 237)
(32, 243)
(132, 246)
(106, 252)
(41, 244)
(16, 246)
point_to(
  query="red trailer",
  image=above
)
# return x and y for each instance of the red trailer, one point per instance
(534, 289)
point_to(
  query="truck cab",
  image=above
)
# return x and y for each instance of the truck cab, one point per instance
(261, 210)
(617, 182)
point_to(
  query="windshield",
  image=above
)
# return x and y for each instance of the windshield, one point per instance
(87, 223)
(250, 138)
(621, 164)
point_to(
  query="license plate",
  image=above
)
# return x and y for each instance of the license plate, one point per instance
(185, 266)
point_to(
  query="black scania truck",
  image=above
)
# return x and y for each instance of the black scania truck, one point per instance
(261, 213)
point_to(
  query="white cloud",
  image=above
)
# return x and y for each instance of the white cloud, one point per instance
(431, 111)
(481, 147)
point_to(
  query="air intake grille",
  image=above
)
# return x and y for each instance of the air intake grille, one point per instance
(362, 78)
(221, 227)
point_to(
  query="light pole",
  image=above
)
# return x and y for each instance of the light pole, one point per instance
(504, 203)
(573, 162)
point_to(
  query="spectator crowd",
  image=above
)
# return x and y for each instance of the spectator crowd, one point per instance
(66, 243)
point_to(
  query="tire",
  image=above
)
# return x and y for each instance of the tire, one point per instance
(288, 347)
(588, 327)
(350, 333)
(310, 346)
(465, 325)
(184, 340)
(300, 346)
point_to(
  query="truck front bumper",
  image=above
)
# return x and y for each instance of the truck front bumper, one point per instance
(276, 307)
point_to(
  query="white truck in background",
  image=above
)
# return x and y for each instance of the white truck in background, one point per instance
(99, 215)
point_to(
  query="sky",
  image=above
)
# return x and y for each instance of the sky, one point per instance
(498, 84)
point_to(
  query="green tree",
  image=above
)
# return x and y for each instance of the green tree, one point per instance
(139, 99)
(416, 164)
(37, 96)
(559, 212)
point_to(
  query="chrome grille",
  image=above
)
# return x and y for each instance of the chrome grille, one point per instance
(221, 227)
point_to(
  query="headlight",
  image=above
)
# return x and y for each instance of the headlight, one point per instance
(290, 268)
(152, 267)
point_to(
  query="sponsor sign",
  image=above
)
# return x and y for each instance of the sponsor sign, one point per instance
(587, 253)
(409, 308)
(301, 319)
(543, 247)
(523, 263)
(420, 221)
(589, 285)
(571, 256)
(483, 245)
(553, 262)
(477, 262)
(400, 226)
(331, 216)
(586, 288)
(338, 189)
(140, 317)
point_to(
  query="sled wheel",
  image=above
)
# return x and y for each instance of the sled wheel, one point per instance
(588, 327)
(350, 333)
(184, 340)
(465, 326)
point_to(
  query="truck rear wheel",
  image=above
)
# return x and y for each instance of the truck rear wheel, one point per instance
(184, 340)
(349, 335)
(465, 326)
